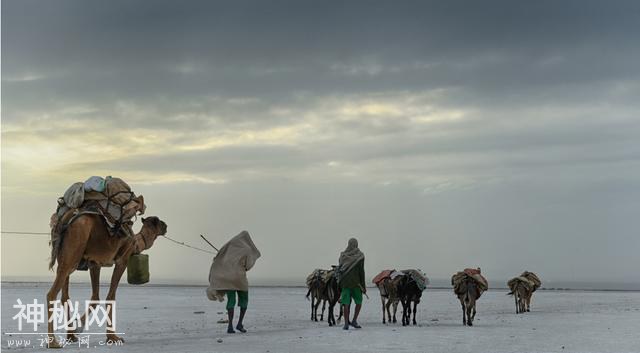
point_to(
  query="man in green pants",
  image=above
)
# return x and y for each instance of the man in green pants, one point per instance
(351, 281)
(243, 301)
(228, 276)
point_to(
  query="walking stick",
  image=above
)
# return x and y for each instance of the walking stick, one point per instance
(205, 239)
(364, 291)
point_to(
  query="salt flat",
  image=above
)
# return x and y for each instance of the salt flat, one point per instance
(162, 319)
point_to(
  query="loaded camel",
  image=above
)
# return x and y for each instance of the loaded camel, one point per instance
(389, 297)
(88, 239)
(331, 295)
(468, 285)
(323, 287)
(317, 287)
(409, 292)
(522, 289)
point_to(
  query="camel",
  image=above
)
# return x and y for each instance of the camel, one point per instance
(537, 283)
(521, 291)
(389, 297)
(468, 292)
(88, 239)
(316, 286)
(331, 295)
(409, 292)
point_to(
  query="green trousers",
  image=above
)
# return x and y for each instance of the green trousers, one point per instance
(243, 299)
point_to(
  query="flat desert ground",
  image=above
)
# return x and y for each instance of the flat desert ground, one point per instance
(163, 319)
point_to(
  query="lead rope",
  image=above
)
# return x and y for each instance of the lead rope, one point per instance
(172, 240)
(187, 245)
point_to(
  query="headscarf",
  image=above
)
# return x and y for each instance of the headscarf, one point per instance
(350, 256)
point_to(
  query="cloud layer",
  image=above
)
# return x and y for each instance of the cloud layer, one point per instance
(466, 103)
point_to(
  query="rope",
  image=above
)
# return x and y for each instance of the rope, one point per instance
(188, 246)
(26, 233)
(172, 240)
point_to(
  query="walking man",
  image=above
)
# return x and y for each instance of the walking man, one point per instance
(351, 281)
(228, 276)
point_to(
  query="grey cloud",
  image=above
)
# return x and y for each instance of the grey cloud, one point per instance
(544, 155)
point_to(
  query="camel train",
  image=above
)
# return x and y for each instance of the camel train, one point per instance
(405, 287)
(92, 228)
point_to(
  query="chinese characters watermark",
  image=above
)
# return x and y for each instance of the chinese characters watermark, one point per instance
(67, 315)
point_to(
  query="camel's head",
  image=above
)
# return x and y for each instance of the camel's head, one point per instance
(155, 228)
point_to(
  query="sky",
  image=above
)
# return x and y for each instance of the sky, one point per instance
(442, 135)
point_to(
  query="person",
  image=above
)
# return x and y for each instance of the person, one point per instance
(351, 281)
(228, 276)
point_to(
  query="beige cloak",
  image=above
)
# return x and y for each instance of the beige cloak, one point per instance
(229, 268)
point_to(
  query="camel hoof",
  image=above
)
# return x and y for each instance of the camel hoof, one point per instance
(54, 344)
(112, 339)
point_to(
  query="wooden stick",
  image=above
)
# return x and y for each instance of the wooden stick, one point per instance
(205, 239)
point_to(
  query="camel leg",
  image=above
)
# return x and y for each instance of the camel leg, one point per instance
(115, 280)
(464, 313)
(473, 316)
(312, 302)
(65, 301)
(94, 272)
(324, 303)
(395, 311)
(67, 263)
(333, 317)
(415, 306)
(315, 310)
(404, 312)
(61, 277)
(407, 314)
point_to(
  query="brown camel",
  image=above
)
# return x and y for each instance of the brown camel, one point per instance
(88, 238)
(389, 297)
(468, 292)
(521, 295)
(317, 286)
(522, 289)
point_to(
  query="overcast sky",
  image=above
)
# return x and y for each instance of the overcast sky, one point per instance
(442, 135)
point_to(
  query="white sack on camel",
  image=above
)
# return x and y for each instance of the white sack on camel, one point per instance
(229, 268)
